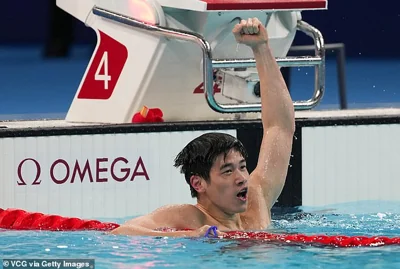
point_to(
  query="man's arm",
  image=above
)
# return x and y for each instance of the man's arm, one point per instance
(278, 125)
(138, 230)
(175, 217)
(268, 178)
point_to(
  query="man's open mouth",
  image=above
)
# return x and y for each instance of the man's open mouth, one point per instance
(242, 195)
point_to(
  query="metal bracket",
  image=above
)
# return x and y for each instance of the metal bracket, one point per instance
(209, 64)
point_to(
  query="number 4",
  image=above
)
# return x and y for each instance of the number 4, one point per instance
(103, 77)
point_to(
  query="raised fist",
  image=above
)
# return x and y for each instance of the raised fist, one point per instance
(251, 32)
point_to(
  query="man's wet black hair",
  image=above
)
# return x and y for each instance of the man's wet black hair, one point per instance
(199, 155)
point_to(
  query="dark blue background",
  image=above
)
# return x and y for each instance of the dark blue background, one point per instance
(33, 85)
(369, 29)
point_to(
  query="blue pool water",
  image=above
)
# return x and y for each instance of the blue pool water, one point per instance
(367, 218)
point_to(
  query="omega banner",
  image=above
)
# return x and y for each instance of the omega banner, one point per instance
(94, 176)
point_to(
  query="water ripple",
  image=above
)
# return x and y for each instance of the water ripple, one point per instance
(146, 252)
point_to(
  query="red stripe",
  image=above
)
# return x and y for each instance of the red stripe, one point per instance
(264, 4)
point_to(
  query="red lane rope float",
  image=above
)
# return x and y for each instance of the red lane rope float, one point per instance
(16, 219)
(324, 240)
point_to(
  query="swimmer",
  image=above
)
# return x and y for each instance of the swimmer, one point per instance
(214, 164)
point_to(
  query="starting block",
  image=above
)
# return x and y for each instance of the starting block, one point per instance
(180, 56)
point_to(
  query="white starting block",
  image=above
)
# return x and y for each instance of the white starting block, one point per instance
(180, 56)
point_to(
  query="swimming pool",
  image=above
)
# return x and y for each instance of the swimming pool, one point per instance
(362, 218)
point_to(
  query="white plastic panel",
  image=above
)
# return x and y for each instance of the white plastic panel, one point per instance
(96, 194)
(350, 163)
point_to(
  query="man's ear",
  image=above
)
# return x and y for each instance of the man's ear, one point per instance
(198, 183)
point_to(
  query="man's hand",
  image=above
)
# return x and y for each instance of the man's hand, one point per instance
(251, 33)
(206, 231)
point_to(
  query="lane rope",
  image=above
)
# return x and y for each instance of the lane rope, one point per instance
(17, 219)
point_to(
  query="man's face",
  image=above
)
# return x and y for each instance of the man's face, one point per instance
(228, 183)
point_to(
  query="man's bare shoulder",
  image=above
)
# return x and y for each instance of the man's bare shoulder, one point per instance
(185, 216)
(179, 211)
